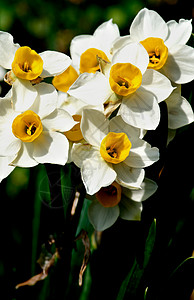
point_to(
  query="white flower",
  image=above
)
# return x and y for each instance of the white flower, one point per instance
(127, 81)
(180, 112)
(27, 66)
(34, 136)
(113, 151)
(165, 43)
(84, 48)
(116, 201)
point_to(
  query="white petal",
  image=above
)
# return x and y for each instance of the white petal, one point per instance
(171, 135)
(133, 53)
(81, 152)
(93, 89)
(72, 105)
(142, 155)
(180, 112)
(9, 145)
(117, 124)
(157, 84)
(7, 49)
(106, 34)
(148, 23)
(23, 94)
(94, 126)
(5, 168)
(80, 44)
(141, 110)
(129, 177)
(58, 120)
(62, 99)
(148, 188)
(130, 210)
(102, 217)
(96, 173)
(54, 63)
(180, 64)
(121, 42)
(51, 147)
(46, 101)
(24, 157)
(179, 33)
(7, 113)
(2, 73)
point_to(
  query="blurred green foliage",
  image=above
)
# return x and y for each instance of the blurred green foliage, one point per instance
(49, 24)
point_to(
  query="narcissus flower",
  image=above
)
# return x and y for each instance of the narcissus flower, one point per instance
(86, 49)
(128, 82)
(34, 136)
(115, 201)
(165, 44)
(27, 67)
(112, 152)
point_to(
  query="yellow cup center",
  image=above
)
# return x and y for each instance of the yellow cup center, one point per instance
(109, 196)
(27, 126)
(125, 78)
(115, 147)
(75, 134)
(157, 52)
(89, 60)
(63, 81)
(27, 64)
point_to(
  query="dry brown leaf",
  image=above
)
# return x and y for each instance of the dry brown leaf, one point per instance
(47, 265)
(85, 240)
(33, 280)
(110, 107)
(75, 202)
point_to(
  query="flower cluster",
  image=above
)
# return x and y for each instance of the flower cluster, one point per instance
(95, 113)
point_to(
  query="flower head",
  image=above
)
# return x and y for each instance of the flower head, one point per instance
(127, 83)
(115, 201)
(112, 151)
(86, 49)
(35, 135)
(165, 44)
(28, 68)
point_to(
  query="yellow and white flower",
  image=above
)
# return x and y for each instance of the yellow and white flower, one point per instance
(27, 66)
(34, 136)
(115, 201)
(112, 151)
(84, 49)
(128, 82)
(165, 44)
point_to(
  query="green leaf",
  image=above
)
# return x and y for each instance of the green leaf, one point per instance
(42, 196)
(149, 243)
(131, 283)
(179, 284)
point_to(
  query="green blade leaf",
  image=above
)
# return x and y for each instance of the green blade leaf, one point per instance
(131, 283)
